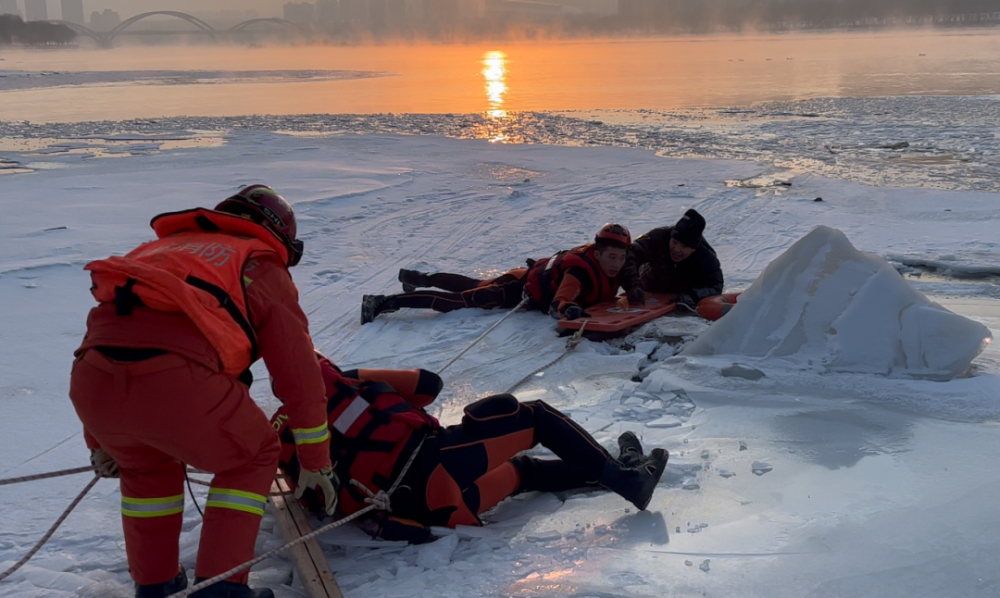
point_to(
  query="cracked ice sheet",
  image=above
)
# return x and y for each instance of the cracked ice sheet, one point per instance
(864, 499)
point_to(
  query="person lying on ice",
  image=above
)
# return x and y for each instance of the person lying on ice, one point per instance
(377, 421)
(673, 259)
(562, 285)
(162, 378)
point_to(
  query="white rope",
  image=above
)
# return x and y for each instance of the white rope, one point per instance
(571, 343)
(378, 501)
(483, 335)
(52, 530)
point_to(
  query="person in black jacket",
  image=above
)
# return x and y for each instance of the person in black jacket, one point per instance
(673, 259)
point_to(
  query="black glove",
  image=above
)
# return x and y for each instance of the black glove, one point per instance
(574, 311)
(636, 296)
(686, 299)
(397, 528)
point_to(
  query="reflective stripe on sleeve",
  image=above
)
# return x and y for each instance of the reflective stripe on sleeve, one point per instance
(152, 507)
(238, 500)
(311, 435)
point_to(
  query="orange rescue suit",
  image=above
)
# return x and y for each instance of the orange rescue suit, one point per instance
(570, 277)
(155, 383)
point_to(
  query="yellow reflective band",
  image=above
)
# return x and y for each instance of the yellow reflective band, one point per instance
(238, 500)
(247, 280)
(152, 507)
(311, 435)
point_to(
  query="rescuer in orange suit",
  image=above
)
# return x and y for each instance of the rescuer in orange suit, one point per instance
(377, 421)
(563, 285)
(162, 377)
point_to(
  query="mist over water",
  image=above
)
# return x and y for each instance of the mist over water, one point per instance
(666, 73)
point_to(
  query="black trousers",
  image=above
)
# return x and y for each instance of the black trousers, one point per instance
(465, 469)
(462, 292)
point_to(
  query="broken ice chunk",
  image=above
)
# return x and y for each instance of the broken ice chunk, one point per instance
(760, 467)
(667, 421)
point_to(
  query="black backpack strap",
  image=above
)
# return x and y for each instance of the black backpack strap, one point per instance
(126, 299)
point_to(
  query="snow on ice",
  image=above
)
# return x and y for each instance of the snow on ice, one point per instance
(878, 485)
(825, 303)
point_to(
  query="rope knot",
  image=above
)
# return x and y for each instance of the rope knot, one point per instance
(380, 500)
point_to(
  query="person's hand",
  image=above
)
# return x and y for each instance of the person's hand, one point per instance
(574, 311)
(324, 480)
(636, 296)
(104, 464)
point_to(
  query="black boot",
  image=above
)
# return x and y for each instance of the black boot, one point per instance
(230, 589)
(630, 450)
(372, 306)
(162, 590)
(412, 280)
(635, 484)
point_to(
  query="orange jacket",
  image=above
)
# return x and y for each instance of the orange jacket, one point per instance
(572, 277)
(260, 289)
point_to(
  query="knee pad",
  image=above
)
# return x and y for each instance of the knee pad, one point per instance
(491, 408)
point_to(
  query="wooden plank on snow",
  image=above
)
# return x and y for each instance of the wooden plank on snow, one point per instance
(308, 557)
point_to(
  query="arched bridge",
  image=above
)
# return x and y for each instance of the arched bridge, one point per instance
(106, 38)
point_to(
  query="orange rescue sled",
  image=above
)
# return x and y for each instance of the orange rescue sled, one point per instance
(611, 316)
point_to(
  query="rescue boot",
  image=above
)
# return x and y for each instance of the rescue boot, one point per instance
(230, 589)
(635, 484)
(162, 590)
(372, 306)
(412, 280)
(630, 450)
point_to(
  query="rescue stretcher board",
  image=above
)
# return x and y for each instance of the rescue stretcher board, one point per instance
(609, 316)
(308, 558)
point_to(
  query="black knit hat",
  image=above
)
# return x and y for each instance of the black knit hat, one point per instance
(689, 228)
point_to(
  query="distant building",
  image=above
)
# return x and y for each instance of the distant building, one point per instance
(36, 10)
(354, 10)
(300, 12)
(327, 11)
(636, 10)
(442, 11)
(378, 12)
(104, 21)
(9, 7)
(72, 11)
(523, 9)
(398, 11)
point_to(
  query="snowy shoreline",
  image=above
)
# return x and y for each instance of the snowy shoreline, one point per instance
(795, 484)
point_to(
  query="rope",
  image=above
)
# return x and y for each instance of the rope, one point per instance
(194, 498)
(45, 476)
(571, 343)
(52, 529)
(378, 501)
(483, 335)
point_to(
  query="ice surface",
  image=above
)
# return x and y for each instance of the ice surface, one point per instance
(825, 303)
(861, 463)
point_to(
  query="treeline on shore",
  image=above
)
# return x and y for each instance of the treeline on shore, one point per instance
(13, 30)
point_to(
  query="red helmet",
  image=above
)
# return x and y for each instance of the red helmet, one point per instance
(270, 210)
(614, 232)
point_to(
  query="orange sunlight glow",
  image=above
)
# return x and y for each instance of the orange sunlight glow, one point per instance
(495, 72)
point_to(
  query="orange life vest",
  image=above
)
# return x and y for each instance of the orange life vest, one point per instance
(373, 431)
(546, 275)
(195, 267)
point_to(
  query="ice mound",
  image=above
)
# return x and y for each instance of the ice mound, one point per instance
(825, 303)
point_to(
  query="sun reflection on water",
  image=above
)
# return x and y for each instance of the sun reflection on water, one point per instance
(495, 74)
